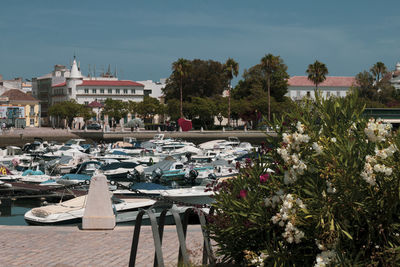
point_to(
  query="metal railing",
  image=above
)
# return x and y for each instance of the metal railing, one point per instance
(181, 228)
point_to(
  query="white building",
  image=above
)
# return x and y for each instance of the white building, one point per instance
(88, 89)
(301, 86)
(394, 76)
(154, 89)
(15, 83)
(64, 84)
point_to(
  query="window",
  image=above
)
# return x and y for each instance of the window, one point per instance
(86, 91)
(125, 91)
(328, 94)
(298, 94)
(94, 91)
(338, 93)
(109, 91)
(32, 121)
(132, 91)
(86, 102)
(117, 91)
(308, 93)
(101, 91)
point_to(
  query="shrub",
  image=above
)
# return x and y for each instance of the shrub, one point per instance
(327, 193)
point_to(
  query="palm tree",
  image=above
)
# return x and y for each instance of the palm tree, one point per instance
(180, 67)
(378, 70)
(231, 69)
(269, 64)
(317, 73)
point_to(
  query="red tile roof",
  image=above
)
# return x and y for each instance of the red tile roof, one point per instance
(95, 104)
(109, 83)
(18, 95)
(102, 83)
(331, 81)
(60, 84)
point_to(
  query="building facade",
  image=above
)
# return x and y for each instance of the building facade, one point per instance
(64, 84)
(300, 87)
(19, 109)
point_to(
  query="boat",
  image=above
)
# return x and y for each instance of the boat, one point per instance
(71, 211)
(196, 195)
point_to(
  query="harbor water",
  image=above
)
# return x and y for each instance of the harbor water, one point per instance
(12, 211)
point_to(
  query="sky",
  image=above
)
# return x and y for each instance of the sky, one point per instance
(143, 38)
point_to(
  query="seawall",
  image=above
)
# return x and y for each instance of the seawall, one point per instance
(19, 137)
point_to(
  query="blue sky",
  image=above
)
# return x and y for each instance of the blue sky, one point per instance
(143, 38)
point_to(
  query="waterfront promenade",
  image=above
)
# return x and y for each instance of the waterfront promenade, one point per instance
(67, 246)
(19, 137)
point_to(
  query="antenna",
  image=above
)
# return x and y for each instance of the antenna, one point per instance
(115, 71)
(94, 71)
(109, 70)
(89, 74)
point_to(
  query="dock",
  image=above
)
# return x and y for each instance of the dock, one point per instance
(68, 246)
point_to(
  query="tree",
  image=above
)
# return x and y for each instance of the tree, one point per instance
(375, 91)
(117, 109)
(269, 64)
(365, 85)
(172, 109)
(86, 113)
(149, 107)
(203, 79)
(317, 73)
(203, 110)
(180, 69)
(67, 110)
(132, 107)
(231, 70)
(378, 70)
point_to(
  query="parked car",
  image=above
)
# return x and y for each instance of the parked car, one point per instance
(93, 126)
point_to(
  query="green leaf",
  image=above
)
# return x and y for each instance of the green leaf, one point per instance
(347, 234)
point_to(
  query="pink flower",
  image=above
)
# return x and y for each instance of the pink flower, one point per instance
(264, 177)
(243, 193)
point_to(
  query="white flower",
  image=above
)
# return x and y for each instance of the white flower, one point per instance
(300, 127)
(333, 139)
(377, 131)
(325, 258)
(317, 148)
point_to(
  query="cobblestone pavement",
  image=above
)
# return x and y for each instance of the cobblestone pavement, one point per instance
(68, 246)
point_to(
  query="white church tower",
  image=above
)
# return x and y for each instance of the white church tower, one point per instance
(74, 79)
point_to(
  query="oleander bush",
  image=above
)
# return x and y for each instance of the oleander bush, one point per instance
(325, 194)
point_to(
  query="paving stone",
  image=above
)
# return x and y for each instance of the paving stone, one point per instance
(71, 247)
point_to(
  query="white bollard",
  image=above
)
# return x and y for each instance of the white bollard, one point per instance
(201, 129)
(223, 129)
(158, 129)
(98, 214)
(180, 129)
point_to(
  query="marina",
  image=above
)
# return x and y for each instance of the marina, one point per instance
(169, 171)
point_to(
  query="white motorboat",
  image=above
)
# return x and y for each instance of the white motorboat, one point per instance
(196, 195)
(71, 211)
